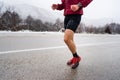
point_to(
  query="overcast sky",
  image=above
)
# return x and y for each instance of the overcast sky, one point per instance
(97, 9)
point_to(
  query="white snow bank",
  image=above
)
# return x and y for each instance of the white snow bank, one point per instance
(27, 33)
(31, 33)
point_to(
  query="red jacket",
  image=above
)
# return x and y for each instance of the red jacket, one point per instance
(67, 3)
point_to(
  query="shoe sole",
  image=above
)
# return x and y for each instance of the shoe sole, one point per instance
(75, 66)
(69, 63)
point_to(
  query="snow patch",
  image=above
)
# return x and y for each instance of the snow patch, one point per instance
(28, 33)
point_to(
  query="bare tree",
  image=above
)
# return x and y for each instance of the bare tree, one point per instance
(57, 25)
(10, 19)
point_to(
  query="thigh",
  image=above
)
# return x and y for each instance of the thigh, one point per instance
(69, 34)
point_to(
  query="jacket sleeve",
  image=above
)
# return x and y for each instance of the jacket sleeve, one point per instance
(85, 2)
(61, 6)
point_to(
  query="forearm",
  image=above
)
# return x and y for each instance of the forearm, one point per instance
(60, 7)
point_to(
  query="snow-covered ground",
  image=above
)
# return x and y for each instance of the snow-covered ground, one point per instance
(31, 33)
(26, 33)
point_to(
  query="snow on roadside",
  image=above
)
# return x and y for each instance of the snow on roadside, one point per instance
(31, 33)
(27, 33)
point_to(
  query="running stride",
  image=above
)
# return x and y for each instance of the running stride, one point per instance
(73, 10)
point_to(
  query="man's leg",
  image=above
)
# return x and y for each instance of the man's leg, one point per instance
(68, 39)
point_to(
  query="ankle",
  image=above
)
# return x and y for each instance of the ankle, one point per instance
(75, 55)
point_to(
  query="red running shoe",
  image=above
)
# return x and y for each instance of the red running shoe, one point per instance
(74, 62)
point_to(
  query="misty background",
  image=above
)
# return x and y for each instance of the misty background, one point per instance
(100, 16)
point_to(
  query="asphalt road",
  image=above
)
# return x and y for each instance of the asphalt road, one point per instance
(44, 57)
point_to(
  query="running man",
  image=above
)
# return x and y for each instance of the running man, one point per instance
(73, 10)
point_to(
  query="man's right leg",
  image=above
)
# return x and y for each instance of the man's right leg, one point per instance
(69, 40)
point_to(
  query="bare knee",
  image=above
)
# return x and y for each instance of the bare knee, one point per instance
(66, 40)
(68, 36)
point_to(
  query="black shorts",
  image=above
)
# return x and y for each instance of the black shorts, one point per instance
(72, 21)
